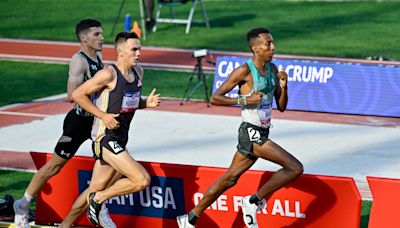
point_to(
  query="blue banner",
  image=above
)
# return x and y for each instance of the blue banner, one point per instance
(335, 87)
(162, 199)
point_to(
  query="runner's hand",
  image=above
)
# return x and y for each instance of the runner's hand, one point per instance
(109, 121)
(255, 98)
(282, 77)
(153, 100)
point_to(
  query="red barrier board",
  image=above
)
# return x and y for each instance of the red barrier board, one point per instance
(385, 206)
(310, 201)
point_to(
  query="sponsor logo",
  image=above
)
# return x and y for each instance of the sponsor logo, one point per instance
(299, 72)
(274, 207)
(163, 198)
(310, 74)
(225, 68)
(64, 139)
(66, 154)
(251, 220)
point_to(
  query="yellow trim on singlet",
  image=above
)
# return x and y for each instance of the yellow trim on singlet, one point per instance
(97, 146)
(103, 107)
(104, 99)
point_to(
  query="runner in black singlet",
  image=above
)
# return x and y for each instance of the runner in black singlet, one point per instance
(117, 92)
(77, 123)
(123, 99)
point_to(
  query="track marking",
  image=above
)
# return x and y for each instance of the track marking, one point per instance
(12, 225)
(24, 114)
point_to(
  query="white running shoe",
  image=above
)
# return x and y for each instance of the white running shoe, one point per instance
(21, 216)
(183, 221)
(105, 219)
(250, 211)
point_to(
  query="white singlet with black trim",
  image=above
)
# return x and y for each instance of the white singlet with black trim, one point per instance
(260, 115)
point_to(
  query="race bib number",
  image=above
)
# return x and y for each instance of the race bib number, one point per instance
(254, 135)
(115, 146)
(265, 112)
(130, 102)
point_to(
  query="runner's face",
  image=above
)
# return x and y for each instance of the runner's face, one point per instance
(131, 51)
(265, 46)
(94, 38)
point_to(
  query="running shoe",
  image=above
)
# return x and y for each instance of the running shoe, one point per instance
(94, 209)
(105, 219)
(21, 218)
(183, 221)
(250, 211)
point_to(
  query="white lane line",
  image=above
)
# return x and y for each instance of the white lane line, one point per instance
(46, 59)
(33, 57)
(24, 114)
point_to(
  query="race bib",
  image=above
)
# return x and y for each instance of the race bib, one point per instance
(130, 102)
(254, 135)
(265, 112)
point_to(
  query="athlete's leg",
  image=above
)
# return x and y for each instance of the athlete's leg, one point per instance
(50, 169)
(21, 206)
(108, 176)
(291, 167)
(47, 171)
(239, 165)
(136, 175)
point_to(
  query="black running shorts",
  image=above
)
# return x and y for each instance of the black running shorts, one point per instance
(76, 130)
(109, 141)
(249, 134)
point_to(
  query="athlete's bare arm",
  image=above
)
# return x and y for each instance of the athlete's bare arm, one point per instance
(77, 68)
(242, 77)
(281, 96)
(104, 79)
(153, 100)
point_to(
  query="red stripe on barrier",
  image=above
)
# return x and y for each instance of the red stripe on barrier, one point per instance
(310, 201)
(386, 201)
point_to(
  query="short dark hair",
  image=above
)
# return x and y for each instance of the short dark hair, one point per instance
(84, 25)
(253, 34)
(124, 36)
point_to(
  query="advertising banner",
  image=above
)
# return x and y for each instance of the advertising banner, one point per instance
(385, 207)
(335, 87)
(310, 201)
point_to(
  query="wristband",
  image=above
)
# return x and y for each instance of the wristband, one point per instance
(243, 100)
(238, 101)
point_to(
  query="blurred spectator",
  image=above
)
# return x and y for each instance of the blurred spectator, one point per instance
(149, 8)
